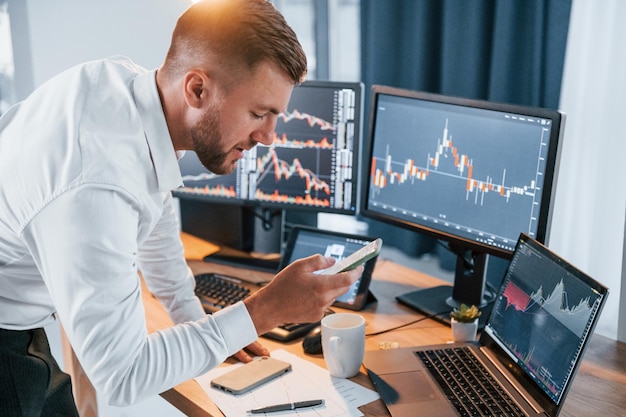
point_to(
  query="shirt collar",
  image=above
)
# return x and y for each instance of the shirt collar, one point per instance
(157, 135)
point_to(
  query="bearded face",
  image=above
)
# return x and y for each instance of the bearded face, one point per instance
(206, 137)
(236, 120)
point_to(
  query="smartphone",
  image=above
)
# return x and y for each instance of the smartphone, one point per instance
(364, 254)
(251, 375)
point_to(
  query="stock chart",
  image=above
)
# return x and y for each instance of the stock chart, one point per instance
(456, 171)
(310, 162)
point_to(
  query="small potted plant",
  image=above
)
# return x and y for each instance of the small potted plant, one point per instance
(464, 323)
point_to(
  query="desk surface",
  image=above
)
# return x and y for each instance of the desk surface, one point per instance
(598, 389)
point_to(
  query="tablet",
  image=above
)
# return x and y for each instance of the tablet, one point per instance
(305, 241)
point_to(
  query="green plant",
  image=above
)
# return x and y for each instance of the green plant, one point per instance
(465, 313)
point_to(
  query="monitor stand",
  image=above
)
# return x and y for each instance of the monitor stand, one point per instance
(469, 288)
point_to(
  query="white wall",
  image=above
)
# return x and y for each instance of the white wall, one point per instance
(67, 32)
(588, 225)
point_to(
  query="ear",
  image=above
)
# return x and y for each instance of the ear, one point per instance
(197, 88)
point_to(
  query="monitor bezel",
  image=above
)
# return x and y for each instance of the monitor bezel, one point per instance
(549, 185)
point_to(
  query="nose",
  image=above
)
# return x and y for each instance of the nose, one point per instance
(265, 133)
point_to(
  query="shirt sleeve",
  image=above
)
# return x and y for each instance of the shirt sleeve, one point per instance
(162, 264)
(85, 245)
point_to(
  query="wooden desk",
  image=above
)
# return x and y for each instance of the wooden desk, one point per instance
(599, 388)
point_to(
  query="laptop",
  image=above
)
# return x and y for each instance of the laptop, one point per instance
(530, 349)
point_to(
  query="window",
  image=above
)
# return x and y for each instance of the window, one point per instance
(329, 31)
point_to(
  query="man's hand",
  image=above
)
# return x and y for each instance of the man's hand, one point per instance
(255, 349)
(297, 295)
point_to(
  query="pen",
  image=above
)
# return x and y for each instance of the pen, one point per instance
(287, 406)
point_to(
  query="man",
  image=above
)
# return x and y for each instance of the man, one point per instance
(87, 163)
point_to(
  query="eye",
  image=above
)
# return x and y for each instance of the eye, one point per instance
(259, 116)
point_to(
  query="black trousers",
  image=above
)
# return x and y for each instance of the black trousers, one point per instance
(31, 382)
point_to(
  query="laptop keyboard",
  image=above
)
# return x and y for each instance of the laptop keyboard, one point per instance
(217, 291)
(467, 384)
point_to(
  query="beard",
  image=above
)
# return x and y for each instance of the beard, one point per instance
(206, 137)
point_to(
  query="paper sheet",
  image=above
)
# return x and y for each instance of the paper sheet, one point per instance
(306, 381)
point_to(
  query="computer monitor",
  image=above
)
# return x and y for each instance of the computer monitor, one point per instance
(311, 166)
(471, 173)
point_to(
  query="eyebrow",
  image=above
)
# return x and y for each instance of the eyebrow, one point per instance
(271, 109)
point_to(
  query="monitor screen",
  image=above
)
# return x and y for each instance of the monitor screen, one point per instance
(472, 173)
(311, 165)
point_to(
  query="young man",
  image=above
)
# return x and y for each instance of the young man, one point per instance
(87, 163)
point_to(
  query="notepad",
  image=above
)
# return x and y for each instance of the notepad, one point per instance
(342, 397)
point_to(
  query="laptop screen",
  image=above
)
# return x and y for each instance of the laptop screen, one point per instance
(544, 314)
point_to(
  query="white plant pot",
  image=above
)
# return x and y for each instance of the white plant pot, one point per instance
(464, 332)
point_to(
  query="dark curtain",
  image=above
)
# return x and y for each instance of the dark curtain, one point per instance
(500, 50)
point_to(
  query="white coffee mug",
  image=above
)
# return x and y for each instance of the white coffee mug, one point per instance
(343, 343)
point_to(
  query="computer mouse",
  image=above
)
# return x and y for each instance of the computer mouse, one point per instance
(312, 342)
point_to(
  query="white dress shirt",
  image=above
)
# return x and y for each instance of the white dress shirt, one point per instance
(86, 169)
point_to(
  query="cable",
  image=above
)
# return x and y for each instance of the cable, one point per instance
(266, 217)
(431, 316)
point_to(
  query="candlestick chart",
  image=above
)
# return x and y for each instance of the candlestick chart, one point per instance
(451, 171)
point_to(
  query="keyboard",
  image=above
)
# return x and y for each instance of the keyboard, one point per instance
(217, 291)
(467, 384)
